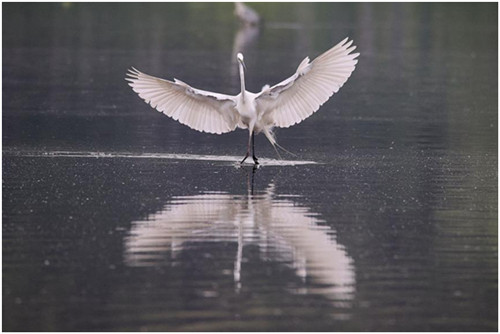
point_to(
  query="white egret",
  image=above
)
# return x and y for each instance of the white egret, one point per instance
(282, 105)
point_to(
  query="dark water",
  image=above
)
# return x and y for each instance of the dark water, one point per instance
(114, 218)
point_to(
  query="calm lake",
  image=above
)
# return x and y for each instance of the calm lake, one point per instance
(117, 218)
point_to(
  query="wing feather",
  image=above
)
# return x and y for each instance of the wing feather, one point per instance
(298, 97)
(200, 110)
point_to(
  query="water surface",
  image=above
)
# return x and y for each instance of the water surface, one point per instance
(118, 218)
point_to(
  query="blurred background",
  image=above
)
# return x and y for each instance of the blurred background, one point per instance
(403, 192)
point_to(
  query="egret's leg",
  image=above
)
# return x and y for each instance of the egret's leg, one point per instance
(248, 148)
(255, 160)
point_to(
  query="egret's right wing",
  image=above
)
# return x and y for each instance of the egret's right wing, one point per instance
(200, 110)
(298, 97)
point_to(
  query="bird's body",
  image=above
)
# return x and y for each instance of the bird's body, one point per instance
(248, 111)
(282, 105)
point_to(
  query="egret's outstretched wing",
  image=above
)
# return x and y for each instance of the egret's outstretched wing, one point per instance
(200, 110)
(298, 97)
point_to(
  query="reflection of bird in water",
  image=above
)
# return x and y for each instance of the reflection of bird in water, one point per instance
(245, 14)
(283, 105)
(245, 38)
(282, 230)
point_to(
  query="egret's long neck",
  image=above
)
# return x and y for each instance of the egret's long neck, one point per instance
(242, 80)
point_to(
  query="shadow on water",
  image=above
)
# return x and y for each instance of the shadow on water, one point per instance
(282, 230)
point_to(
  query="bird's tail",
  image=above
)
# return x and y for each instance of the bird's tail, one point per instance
(268, 132)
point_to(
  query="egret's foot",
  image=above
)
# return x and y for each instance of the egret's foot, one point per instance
(255, 160)
(242, 161)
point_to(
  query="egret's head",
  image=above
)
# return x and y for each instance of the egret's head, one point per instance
(240, 57)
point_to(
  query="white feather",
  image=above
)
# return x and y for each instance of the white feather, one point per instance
(200, 110)
(298, 97)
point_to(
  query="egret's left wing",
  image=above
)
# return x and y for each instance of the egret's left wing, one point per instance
(298, 97)
(199, 109)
